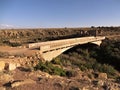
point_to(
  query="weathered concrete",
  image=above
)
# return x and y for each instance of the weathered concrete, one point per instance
(52, 49)
(52, 54)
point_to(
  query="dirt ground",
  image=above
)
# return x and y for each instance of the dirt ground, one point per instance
(17, 50)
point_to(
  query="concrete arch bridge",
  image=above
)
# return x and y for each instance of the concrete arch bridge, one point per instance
(51, 49)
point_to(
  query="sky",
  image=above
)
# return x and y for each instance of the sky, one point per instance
(59, 13)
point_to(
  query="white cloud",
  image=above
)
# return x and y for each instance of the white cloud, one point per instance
(6, 26)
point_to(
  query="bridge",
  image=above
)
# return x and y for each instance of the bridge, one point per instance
(52, 49)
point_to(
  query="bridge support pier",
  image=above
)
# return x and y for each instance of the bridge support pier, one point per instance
(48, 56)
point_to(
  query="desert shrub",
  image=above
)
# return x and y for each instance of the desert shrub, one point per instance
(85, 54)
(109, 53)
(58, 71)
(57, 61)
(89, 65)
(42, 66)
(109, 70)
(15, 44)
(118, 79)
(26, 69)
(50, 68)
(82, 67)
(74, 88)
(90, 62)
(62, 60)
(71, 73)
(105, 68)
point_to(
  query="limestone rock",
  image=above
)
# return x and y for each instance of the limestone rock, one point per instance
(18, 83)
(11, 66)
(102, 76)
(2, 65)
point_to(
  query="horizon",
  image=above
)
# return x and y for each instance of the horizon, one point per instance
(12, 28)
(59, 14)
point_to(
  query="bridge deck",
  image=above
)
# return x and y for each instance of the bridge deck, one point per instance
(50, 45)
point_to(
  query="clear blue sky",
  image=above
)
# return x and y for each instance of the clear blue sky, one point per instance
(60, 13)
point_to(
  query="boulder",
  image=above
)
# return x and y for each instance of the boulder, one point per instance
(11, 66)
(2, 65)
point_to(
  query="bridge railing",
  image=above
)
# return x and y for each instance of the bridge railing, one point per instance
(67, 42)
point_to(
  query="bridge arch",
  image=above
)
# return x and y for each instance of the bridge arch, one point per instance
(49, 55)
